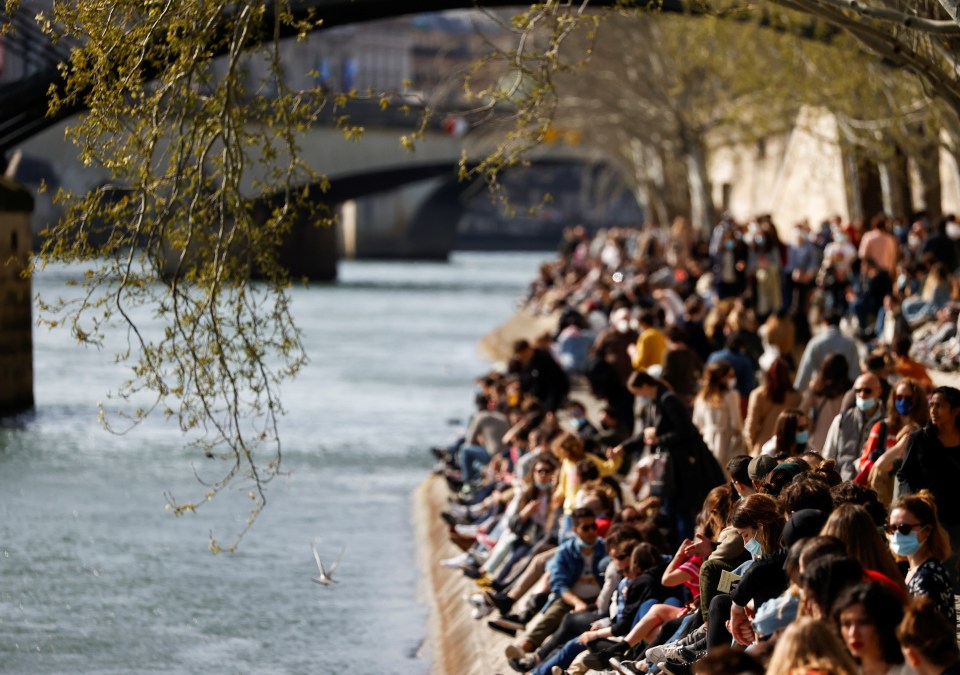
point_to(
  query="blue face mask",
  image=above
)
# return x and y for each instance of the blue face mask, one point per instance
(904, 544)
(643, 400)
(802, 437)
(903, 406)
(729, 244)
(865, 404)
(581, 543)
(544, 486)
(754, 548)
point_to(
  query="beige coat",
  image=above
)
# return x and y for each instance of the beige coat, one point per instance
(721, 426)
(762, 414)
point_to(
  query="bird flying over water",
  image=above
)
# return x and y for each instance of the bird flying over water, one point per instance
(326, 576)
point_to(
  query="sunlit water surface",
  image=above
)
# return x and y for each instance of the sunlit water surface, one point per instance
(96, 577)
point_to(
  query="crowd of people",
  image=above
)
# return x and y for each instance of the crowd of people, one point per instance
(729, 457)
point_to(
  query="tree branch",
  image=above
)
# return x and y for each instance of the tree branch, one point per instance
(901, 18)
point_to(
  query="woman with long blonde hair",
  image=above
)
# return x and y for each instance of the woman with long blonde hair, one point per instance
(809, 645)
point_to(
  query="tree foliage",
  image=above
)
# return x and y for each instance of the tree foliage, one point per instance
(645, 86)
(190, 141)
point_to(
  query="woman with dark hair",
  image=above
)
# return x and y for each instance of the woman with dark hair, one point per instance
(759, 521)
(791, 437)
(716, 412)
(932, 462)
(867, 616)
(906, 413)
(782, 475)
(766, 402)
(915, 533)
(682, 469)
(852, 525)
(823, 580)
(822, 401)
(928, 641)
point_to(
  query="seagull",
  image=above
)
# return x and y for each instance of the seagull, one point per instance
(326, 577)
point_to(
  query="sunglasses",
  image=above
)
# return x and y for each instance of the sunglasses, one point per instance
(903, 528)
(902, 397)
(863, 391)
(543, 471)
(588, 527)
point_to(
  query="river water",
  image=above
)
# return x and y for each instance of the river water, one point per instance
(96, 577)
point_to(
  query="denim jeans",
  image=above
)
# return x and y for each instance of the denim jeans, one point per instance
(472, 459)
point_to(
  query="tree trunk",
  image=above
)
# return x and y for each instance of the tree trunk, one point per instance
(648, 170)
(928, 162)
(702, 211)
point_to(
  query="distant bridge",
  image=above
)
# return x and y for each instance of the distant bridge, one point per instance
(24, 104)
(375, 164)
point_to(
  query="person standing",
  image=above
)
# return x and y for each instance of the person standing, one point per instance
(541, 375)
(828, 341)
(880, 246)
(932, 462)
(651, 346)
(799, 274)
(716, 412)
(681, 365)
(690, 470)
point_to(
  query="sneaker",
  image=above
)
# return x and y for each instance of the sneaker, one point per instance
(467, 531)
(501, 601)
(514, 652)
(661, 653)
(525, 664)
(682, 663)
(599, 658)
(451, 519)
(476, 599)
(670, 651)
(458, 562)
(472, 572)
(629, 667)
(480, 612)
(671, 667)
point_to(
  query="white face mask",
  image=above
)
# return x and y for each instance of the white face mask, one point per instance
(732, 384)
(953, 230)
(622, 326)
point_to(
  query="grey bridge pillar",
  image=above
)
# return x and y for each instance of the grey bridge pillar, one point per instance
(16, 326)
